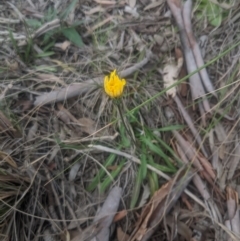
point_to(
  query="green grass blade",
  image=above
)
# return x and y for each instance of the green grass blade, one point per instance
(33, 23)
(14, 42)
(49, 45)
(45, 54)
(158, 151)
(124, 139)
(106, 183)
(143, 159)
(101, 173)
(73, 36)
(171, 128)
(28, 50)
(68, 10)
(152, 182)
(136, 189)
(160, 167)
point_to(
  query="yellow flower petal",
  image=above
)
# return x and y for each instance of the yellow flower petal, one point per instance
(113, 85)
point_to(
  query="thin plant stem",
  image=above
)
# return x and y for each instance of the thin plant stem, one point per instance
(124, 123)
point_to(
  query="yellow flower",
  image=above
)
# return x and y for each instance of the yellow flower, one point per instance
(113, 85)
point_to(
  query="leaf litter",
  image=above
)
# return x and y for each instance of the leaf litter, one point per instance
(58, 128)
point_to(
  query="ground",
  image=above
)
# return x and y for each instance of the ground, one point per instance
(155, 158)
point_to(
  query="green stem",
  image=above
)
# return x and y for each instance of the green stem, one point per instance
(122, 118)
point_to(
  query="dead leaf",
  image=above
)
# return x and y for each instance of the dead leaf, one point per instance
(7, 158)
(62, 115)
(51, 78)
(233, 210)
(105, 2)
(63, 45)
(120, 215)
(94, 10)
(121, 236)
(181, 227)
(132, 3)
(65, 236)
(88, 233)
(153, 5)
(107, 213)
(183, 87)
(207, 166)
(13, 65)
(234, 161)
(221, 151)
(160, 204)
(145, 195)
(73, 171)
(132, 11)
(159, 39)
(88, 125)
(32, 131)
(170, 76)
(24, 105)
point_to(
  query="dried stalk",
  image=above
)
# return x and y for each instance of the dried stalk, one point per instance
(197, 89)
(189, 121)
(77, 89)
(233, 210)
(187, 9)
(196, 179)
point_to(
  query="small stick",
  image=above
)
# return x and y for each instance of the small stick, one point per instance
(195, 47)
(77, 89)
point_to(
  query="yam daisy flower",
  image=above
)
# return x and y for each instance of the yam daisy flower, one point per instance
(113, 85)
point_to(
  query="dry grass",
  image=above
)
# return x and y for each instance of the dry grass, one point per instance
(48, 163)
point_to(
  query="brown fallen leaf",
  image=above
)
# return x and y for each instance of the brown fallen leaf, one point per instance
(120, 215)
(160, 204)
(51, 78)
(94, 10)
(183, 87)
(88, 125)
(121, 236)
(233, 210)
(63, 46)
(7, 158)
(206, 165)
(131, 3)
(153, 5)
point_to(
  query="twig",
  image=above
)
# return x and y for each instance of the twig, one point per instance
(20, 15)
(196, 179)
(195, 47)
(98, 138)
(197, 89)
(77, 89)
(189, 121)
(9, 21)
